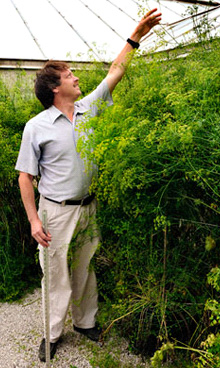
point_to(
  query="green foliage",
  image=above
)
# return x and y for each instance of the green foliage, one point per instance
(159, 356)
(157, 150)
(91, 77)
(18, 270)
(112, 355)
(107, 361)
(202, 27)
(208, 355)
(214, 278)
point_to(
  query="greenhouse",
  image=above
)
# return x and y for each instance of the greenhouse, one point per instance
(94, 30)
(109, 190)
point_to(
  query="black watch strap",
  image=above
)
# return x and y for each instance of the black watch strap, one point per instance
(134, 44)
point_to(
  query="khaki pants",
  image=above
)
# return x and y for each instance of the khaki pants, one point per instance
(75, 237)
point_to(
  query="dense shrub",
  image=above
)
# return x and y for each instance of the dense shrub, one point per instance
(157, 150)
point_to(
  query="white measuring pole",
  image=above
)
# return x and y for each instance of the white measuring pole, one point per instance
(46, 295)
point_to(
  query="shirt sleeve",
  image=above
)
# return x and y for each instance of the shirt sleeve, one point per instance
(29, 153)
(97, 100)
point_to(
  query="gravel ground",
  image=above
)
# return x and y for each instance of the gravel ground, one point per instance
(21, 334)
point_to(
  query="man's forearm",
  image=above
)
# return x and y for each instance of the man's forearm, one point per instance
(118, 67)
(28, 198)
(27, 195)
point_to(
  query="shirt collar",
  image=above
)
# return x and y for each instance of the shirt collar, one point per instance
(55, 113)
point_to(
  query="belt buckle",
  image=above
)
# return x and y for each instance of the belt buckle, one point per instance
(63, 203)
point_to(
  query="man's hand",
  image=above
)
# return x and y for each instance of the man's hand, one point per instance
(150, 20)
(38, 233)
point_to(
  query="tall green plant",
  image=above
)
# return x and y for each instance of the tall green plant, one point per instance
(157, 150)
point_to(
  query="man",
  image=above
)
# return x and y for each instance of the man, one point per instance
(49, 144)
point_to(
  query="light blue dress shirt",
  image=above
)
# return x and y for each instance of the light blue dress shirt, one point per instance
(49, 148)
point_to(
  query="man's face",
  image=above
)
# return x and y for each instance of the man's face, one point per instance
(69, 87)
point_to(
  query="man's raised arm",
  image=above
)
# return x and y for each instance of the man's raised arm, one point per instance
(118, 67)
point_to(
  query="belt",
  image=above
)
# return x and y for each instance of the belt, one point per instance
(79, 202)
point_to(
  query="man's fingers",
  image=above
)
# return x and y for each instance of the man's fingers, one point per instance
(152, 17)
(45, 239)
(155, 21)
(151, 12)
(42, 238)
(156, 17)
